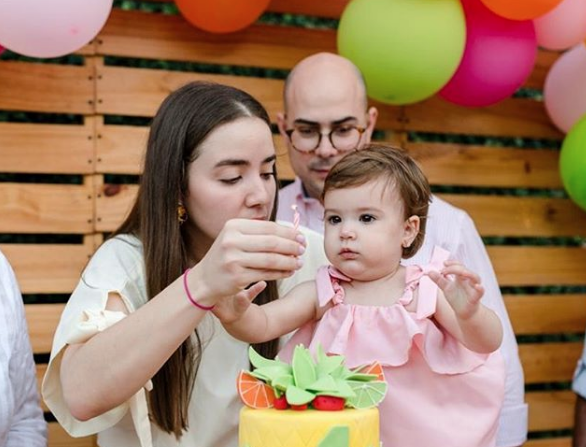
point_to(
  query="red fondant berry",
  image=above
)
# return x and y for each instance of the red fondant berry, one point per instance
(280, 403)
(328, 403)
(299, 407)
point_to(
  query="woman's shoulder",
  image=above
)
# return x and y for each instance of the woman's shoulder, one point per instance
(116, 260)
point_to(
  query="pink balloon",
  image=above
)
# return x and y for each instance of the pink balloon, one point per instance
(498, 58)
(564, 92)
(562, 27)
(50, 28)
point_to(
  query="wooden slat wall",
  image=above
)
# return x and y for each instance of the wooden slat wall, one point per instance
(90, 149)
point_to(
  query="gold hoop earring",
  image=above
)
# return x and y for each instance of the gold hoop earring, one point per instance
(181, 213)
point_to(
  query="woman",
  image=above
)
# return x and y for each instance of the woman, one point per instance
(201, 230)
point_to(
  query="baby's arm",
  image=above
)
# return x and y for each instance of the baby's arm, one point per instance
(460, 311)
(252, 323)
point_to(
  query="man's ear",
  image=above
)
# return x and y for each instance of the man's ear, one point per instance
(372, 117)
(282, 124)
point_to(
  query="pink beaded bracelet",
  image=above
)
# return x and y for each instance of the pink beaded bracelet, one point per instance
(191, 299)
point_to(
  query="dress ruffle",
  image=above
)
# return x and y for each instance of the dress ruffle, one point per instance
(393, 330)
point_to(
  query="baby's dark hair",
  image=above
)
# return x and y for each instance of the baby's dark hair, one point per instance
(398, 168)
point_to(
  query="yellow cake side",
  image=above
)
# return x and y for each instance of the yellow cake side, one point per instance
(289, 428)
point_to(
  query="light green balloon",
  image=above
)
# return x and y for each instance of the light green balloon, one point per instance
(407, 50)
(573, 163)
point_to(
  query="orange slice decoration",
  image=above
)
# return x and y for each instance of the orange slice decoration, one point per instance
(373, 368)
(254, 392)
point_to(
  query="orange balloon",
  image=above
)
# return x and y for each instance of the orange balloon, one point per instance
(222, 16)
(521, 9)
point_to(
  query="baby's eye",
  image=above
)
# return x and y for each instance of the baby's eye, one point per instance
(267, 175)
(367, 218)
(333, 220)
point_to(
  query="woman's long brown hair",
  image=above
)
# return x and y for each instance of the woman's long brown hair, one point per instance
(186, 117)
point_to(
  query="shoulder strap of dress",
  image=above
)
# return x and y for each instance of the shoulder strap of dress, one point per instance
(427, 288)
(328, 285)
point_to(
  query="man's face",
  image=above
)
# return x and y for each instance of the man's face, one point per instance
(311, 108)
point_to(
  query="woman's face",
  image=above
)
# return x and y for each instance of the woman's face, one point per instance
(233, 177)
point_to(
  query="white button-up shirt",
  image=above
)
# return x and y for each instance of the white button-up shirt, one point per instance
(454, 230)
(21, 418)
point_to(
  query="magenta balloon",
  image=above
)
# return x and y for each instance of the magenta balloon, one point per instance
(562, 27)
(498, 58)
(50, 28)
(564, 92)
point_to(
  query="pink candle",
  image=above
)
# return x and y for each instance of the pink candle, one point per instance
(295, 217)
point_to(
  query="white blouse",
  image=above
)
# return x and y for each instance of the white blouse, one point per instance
(118, 267)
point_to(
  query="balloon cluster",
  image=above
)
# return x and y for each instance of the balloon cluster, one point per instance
(475, 53)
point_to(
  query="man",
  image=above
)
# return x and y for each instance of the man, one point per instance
(21, 417)
(326, 116)
(579, 387)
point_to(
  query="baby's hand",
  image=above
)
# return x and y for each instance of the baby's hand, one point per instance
(232, 308)
(463, 292)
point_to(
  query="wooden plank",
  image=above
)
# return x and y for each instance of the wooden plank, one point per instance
(170, 37)
(58, 437)
(45, 208)
(139, 92)
(42, 321)
(120, 149)
(46, 87)
(538, 266)
(42, 148)
(511, 117)
(549, 362)
(550, 410)
(549, 442)
(48, 268)
(41, 369)
(546, 314)
(113, 203)
(521, 216)
(545, 59)
(468, 165)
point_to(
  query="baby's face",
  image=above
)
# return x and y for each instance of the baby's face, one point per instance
(365, 229)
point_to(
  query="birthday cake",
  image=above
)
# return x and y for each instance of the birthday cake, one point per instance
(310, 402)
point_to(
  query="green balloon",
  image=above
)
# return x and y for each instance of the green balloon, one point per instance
(407, 50)
(573, 163)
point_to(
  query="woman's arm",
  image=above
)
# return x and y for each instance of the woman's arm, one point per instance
(251, 323)
(112, 366)
(460, 312)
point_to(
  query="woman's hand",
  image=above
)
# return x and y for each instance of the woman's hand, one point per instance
(246, 252)
(463, 291)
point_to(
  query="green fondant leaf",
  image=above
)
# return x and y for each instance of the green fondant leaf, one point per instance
(270, 373)
(325, 383)
(303, 367)
(298, 396)
(282, 382)
(368, 394)
(361, 377)
(258, 361)
(338, 436)
(327, 364)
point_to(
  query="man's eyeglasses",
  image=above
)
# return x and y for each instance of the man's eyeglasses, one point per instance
(342, 138)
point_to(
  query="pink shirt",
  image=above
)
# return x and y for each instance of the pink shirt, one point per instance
(454, 230)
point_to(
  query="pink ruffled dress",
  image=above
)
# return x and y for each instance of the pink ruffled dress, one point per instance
(440, 393)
